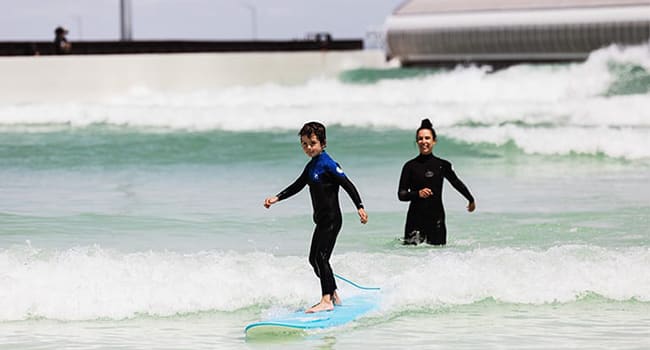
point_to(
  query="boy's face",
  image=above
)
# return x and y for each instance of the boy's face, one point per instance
(311, 145)
(425, 141)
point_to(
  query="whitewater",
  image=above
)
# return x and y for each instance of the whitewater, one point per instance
(132, 217)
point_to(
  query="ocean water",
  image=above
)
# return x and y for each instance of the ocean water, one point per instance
(136, 221)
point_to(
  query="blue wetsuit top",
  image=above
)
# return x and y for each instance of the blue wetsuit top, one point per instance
(324, 176)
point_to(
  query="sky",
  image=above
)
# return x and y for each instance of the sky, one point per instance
(95, 20)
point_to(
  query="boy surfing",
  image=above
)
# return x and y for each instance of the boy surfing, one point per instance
(324, 177)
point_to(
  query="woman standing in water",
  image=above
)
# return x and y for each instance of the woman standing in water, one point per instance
(421, 185)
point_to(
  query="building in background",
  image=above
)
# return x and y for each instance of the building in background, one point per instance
(435, 32)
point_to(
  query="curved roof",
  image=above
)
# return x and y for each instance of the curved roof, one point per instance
(417, 7)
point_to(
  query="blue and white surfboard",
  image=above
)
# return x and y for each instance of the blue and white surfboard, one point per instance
(297, 322)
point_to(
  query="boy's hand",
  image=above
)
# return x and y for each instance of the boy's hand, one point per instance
(363, 216)
(269, 201)
(471, 207)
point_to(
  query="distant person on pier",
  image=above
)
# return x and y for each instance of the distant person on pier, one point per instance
(61, 44)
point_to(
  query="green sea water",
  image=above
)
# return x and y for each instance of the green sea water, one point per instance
(145, 228)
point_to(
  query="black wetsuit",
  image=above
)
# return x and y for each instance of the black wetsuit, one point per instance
(426, 216)
(60, 45)
(324, 176)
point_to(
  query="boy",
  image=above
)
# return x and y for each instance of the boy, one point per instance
(324, 176)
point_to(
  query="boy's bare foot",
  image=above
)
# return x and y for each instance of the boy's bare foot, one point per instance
(322, 306)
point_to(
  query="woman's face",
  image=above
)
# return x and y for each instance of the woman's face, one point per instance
(311, 145)
(425, 141)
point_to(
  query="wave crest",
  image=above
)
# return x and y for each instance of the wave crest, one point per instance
(92, 283)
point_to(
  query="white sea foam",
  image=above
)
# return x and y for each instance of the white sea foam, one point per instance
(542, 109)
(91, 283)
(628, 143)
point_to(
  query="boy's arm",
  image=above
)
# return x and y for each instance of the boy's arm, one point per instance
(349, 187)
(351, 190)
(339, 177)
(292, 189)
(335, 171)
(295, 187)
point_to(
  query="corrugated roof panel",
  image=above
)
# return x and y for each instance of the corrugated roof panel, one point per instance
(415, 7)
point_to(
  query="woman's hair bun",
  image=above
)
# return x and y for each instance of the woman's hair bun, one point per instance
(426, 124)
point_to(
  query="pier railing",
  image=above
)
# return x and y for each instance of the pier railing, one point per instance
(130, 47)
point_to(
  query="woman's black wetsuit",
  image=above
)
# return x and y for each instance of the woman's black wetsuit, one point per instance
(324, 176)
(426, 216)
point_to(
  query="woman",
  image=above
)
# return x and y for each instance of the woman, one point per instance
(421, 184)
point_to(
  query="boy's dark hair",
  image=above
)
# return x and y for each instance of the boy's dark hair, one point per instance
(315, 128)
(426, 124)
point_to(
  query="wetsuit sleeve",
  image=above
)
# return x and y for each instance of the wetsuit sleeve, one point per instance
(457, 183)
(295, 187)
(347, 185)
(404, 192)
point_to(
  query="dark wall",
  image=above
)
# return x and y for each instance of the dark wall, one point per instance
(516, 43)
(125, 47)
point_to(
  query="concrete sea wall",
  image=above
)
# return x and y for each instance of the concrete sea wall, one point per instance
(75, 78)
